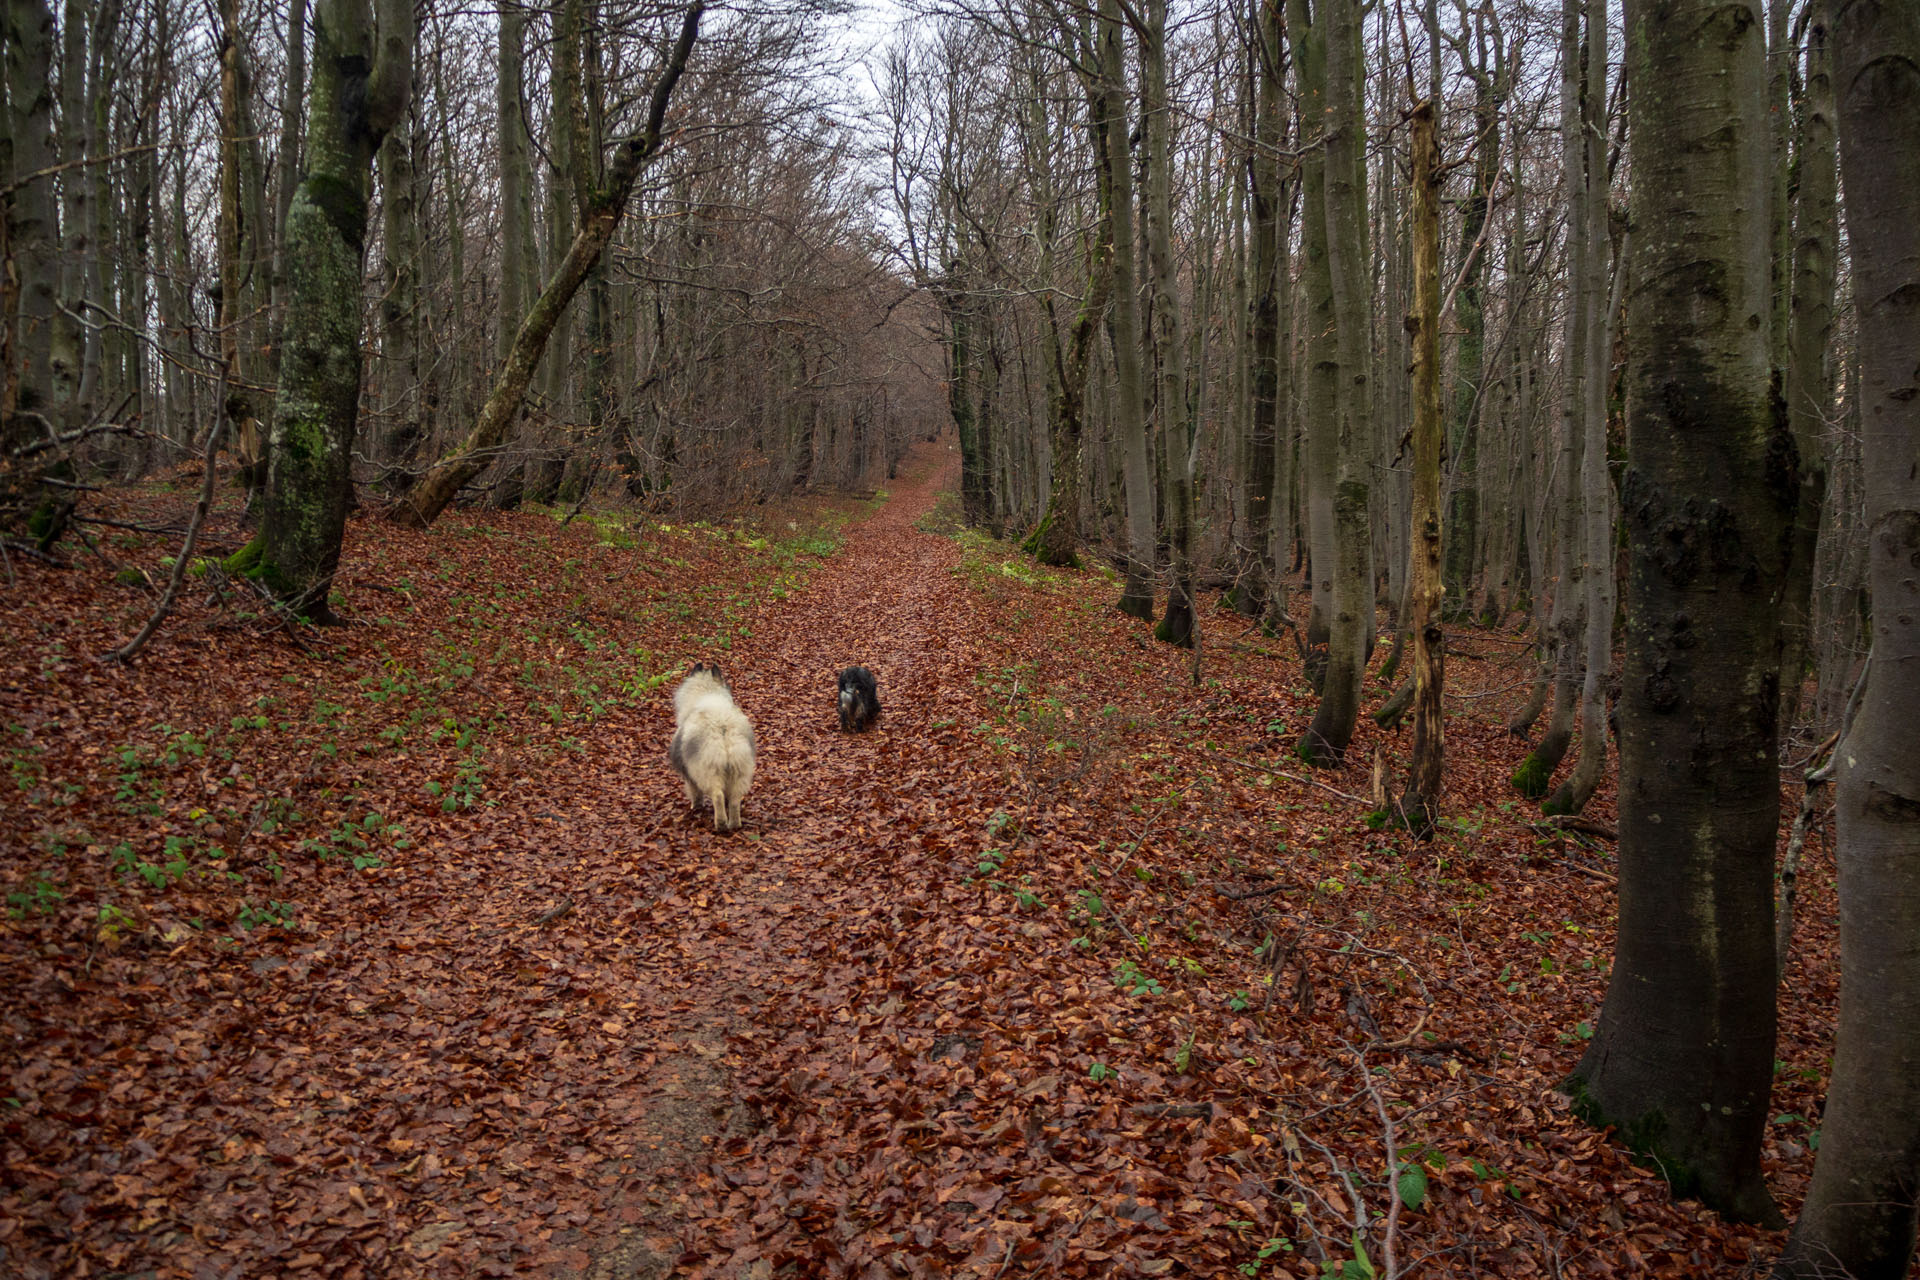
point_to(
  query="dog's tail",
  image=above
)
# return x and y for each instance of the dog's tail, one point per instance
(737, 757)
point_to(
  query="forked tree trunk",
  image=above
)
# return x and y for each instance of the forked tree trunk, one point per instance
(1681, 1059)
(361, 81)
(1860, 1212)
(597, 225)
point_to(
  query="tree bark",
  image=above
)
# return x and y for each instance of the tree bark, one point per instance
(361, 82)
(1809, 334)
(1427, 589)
(1320, 434)
(1589, 294)
(1350, 629)
(31, 225)
(1169, 328)
(1860, 1212)
(1534, 777)
(1681, 1059)
(1256, 570)
(1123, 320)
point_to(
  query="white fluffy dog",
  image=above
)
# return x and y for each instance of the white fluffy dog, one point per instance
(712, 746)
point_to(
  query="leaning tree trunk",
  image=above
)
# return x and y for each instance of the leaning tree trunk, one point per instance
(1682, 1056)
(1350, 629)
(598, 221)
(316, 413)
(1860, 1211)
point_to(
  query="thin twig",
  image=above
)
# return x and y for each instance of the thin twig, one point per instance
(125, 653)
(1281, 773)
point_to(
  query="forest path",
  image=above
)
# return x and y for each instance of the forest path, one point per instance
(744, 913)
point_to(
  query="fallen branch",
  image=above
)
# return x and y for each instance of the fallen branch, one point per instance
(1574, 822)
(1175, 1110)
(125, 653)
(554, 913)
(1256, 893)
(32, 552)
(1282, 773)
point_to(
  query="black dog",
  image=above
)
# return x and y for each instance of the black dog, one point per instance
(859, 699)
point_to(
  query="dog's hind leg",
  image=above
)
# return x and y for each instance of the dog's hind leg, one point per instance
(733, 811)
(719, 799)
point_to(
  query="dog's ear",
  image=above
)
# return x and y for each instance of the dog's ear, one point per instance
(714, 671)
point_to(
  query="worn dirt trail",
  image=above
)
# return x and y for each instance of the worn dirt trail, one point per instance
(744, 914)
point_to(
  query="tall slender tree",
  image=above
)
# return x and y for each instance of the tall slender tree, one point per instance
(1428, 587)
(1351, 624)
(1681, 1058)
(1860, 1213)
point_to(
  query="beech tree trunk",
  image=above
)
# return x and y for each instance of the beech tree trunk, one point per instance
(361, 82)
(1534, 777)
(1809, 334)
(1123, 323)
(27, 405)
(1681, 1059)
(1350, 629)
(1169, 328)
(1588, 269)
(1306, 30)
(1256, 571)
(1860, 1212)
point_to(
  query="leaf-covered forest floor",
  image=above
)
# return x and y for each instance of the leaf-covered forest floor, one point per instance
(394, 949)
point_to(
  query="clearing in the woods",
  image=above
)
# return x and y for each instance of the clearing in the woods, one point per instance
(395, 949)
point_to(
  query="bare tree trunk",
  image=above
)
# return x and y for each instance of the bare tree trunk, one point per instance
(1136, 595)
(1534, 777)
(1681, 1059)
(1351, 627)
(1809, 388)
(1428, 586)
(27, 399)
(1860, 1212)
(1589, 268)
(400, 307)
(1169, 328)
(1257, 572)
(362, 80)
